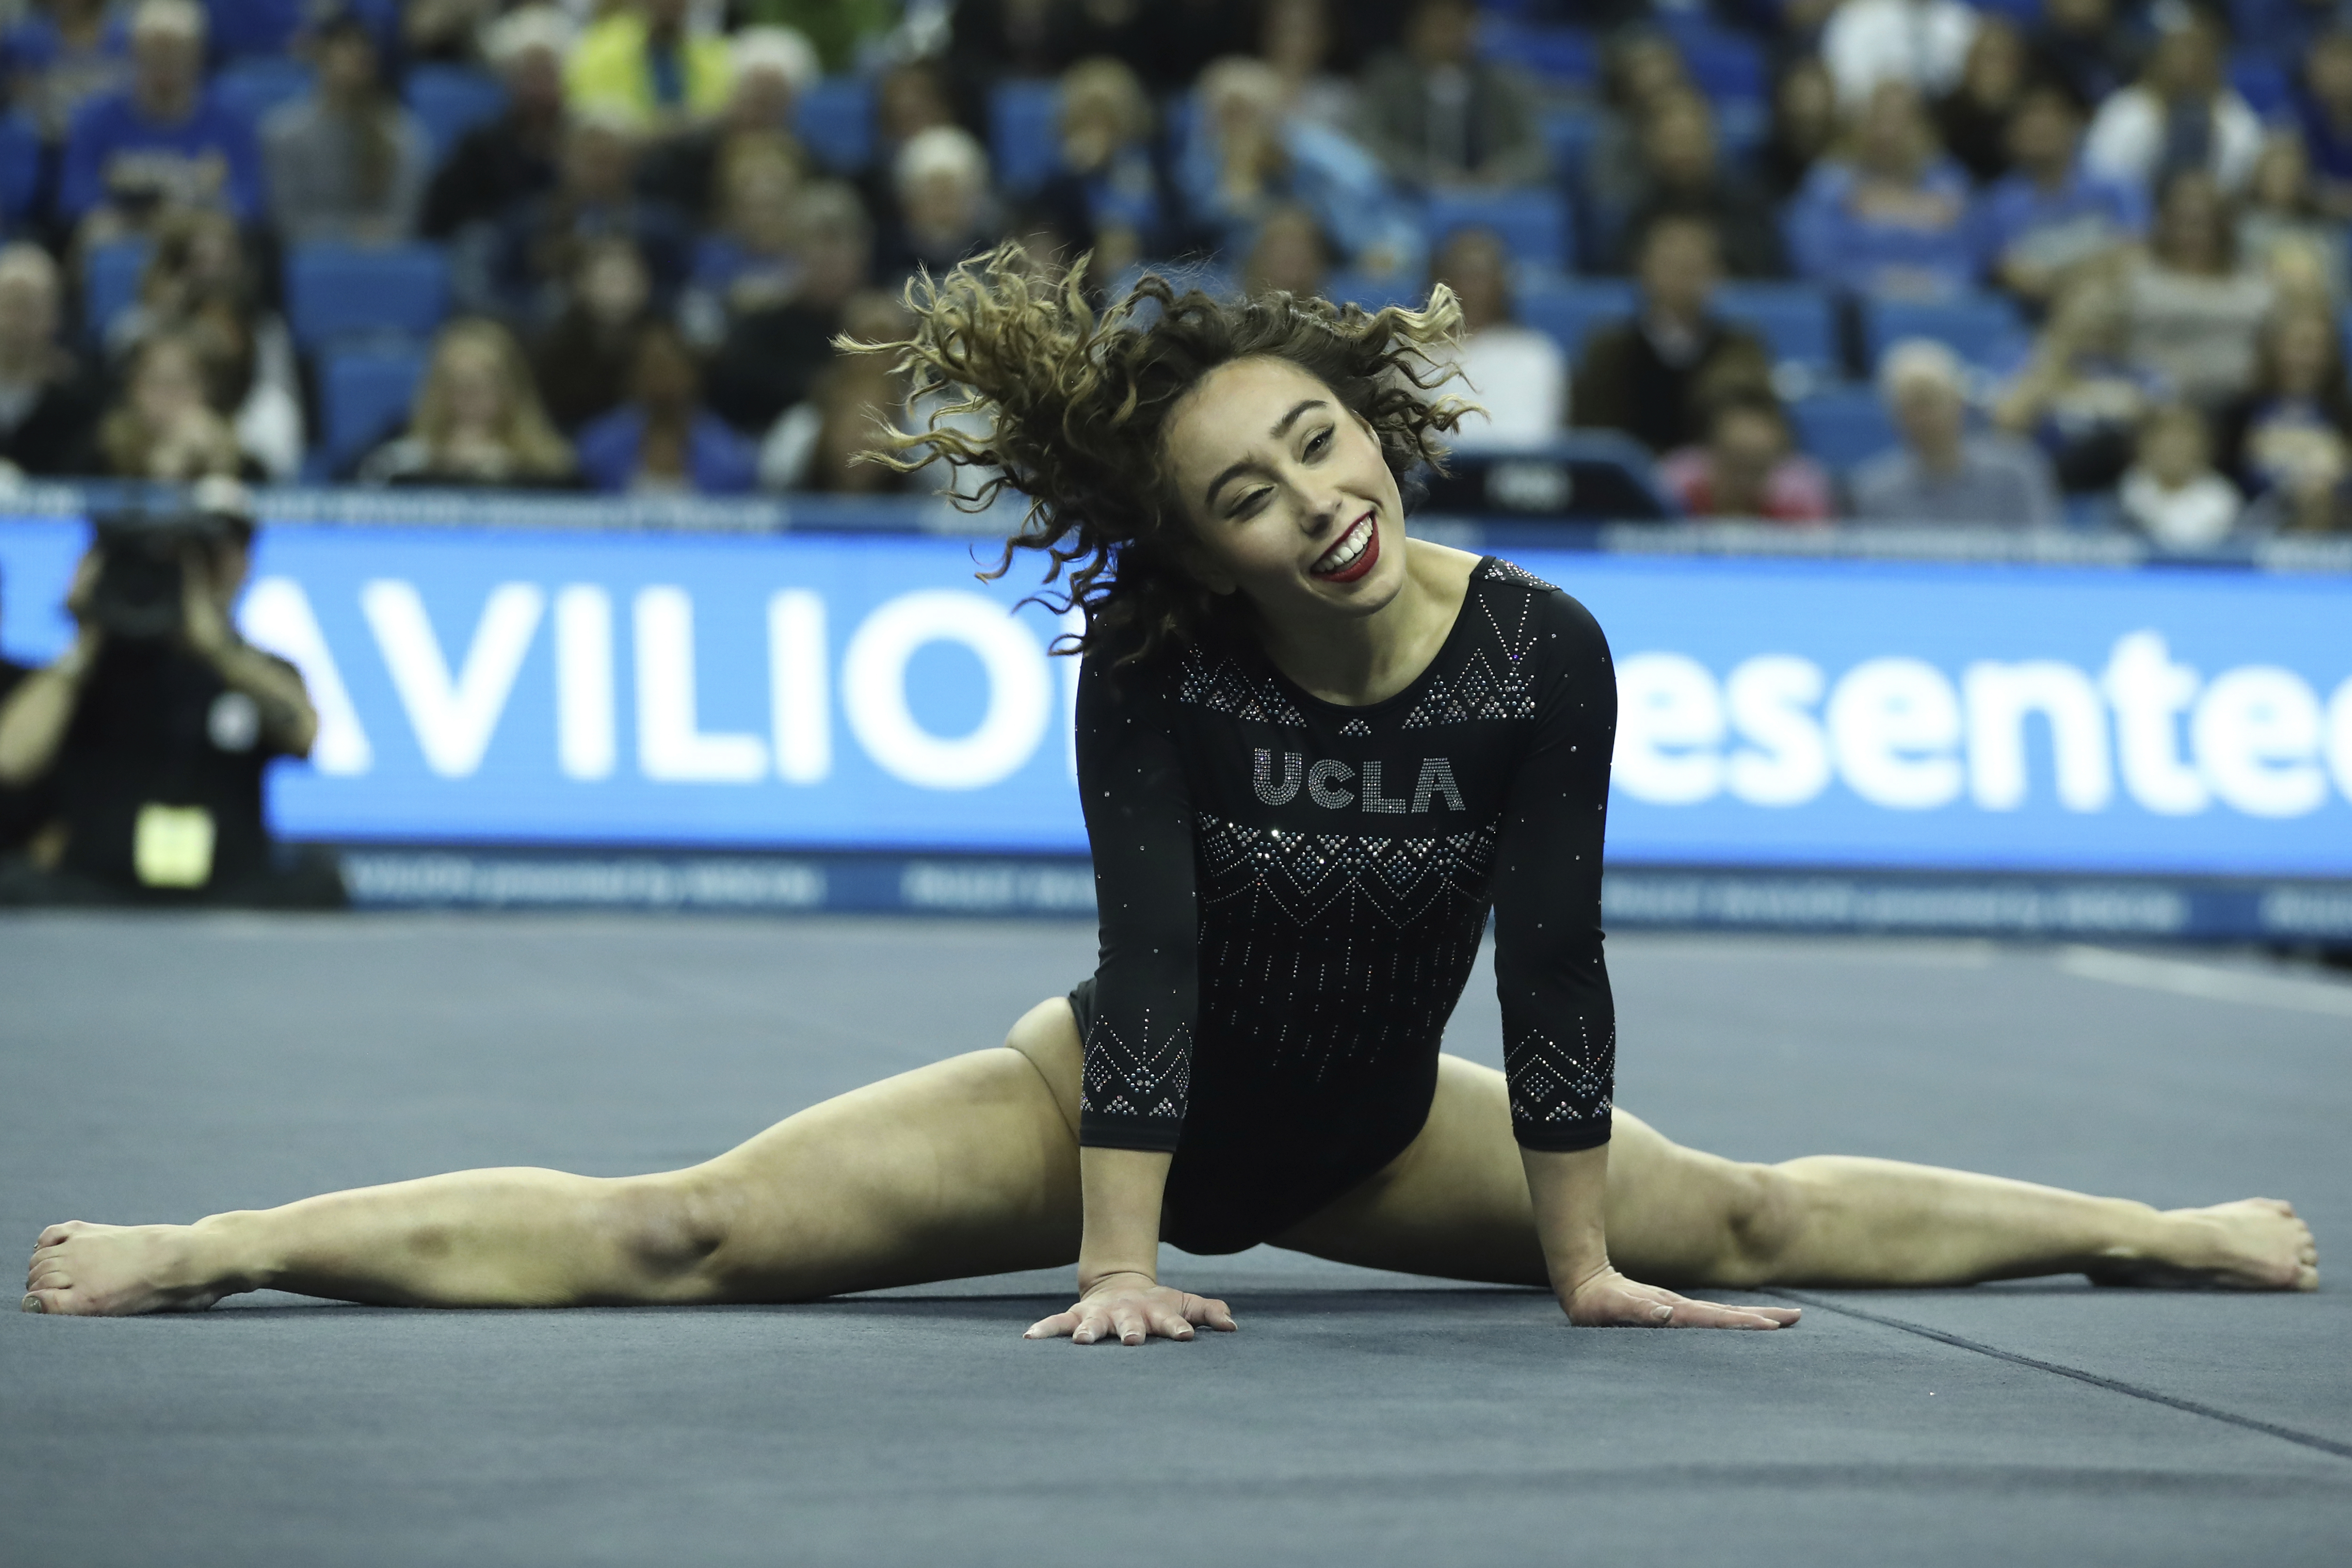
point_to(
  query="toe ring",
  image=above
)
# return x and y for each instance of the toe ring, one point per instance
(33, 1303)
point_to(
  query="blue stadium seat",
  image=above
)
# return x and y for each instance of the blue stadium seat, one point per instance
(1842, 427)
(450, 100)
(1726, 67)
(1568, 133)
(110, 283)
(340, 290)
(1372, 293)
(1571, 310)
(2263, 83)
(1558, 57)
(365, 393)
(1023, 137)
(1796, 321)
(835, 121)
(255, 86)
(1982, 329)
(20, 166)
(1532, 225)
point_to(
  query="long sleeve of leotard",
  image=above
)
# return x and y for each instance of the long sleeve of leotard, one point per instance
(1560, 1025)
(1139, 1053)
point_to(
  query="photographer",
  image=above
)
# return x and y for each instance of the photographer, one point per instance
(153, 730)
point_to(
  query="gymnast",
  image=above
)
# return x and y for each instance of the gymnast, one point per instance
(1314, 753)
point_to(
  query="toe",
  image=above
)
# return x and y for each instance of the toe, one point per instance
(57, 1234)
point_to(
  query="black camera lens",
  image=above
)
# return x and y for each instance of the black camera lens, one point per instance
(138, 595)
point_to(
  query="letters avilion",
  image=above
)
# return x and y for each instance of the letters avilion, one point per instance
(1435, 783)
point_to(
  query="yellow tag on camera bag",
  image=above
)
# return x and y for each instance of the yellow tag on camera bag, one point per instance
(171, 845)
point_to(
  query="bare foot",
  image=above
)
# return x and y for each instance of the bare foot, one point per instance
(116, 1271)
(2254, 1244)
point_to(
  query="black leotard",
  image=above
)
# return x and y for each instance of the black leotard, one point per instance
(1293, 893)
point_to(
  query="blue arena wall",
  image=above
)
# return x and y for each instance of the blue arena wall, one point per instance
(553, 715)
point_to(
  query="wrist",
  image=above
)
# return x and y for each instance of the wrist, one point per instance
(1092, 1276)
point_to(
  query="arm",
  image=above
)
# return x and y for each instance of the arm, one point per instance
(289, 722)
(1559, 1029)
(1139, 1053)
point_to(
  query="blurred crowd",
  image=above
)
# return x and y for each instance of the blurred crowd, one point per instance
(1898, 259)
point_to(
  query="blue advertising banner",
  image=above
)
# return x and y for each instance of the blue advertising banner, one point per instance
(852, 693)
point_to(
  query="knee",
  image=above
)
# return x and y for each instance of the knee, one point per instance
(666, 1229)
(1762, 1219)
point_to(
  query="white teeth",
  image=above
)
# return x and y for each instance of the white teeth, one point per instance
(1342, 555)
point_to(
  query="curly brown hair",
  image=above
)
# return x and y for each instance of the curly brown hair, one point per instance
(1076, 403)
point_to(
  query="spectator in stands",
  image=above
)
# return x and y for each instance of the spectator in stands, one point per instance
(161, 144)
(504, 163)
(749, 261)
(1640, 71)
(1517, 372)
(2182, 113)
(1106, 196)
(2292, 428)
(200, 284)
(49, 401)
(1295, 38)
(2080, 396)
(447, 32)
(2193, 309)
(1243, 158)
(1891, 216)
(1177, 40)
(1973, 118)
(1942, 473)
(1289, 255)
(817, 444)
(2049, 219)
(1439, 116)
(2172, 492)
(1922, 44)
(583, 359)
(2282, 214)
(346, 164)
(773, 354)
(28, 845)
(1654, 375)
(61, 55)
(477, 420)
(165, 427)
(663, 439)
(2083, 43)
(1747, 466)
(2324, 110)
(1683, 171)
(1804, 126)
(773, 67)
(595, 198)
(842, 30)
(646, 66)
(944, 209)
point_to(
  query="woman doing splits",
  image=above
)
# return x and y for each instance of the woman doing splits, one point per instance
(1314, 753)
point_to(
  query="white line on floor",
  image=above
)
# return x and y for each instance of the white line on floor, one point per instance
(2206, 980)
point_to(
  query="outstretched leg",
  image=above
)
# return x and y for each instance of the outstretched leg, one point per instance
(968, 1166)
(1455, 1204)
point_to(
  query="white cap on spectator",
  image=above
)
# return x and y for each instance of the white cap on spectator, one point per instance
(943, 149)
(519, 32)
(181, 18)
(784, 50)
(1917, 360)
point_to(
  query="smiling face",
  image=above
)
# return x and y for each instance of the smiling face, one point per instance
(1290, 502)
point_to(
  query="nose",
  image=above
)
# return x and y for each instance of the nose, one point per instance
(1322, 513)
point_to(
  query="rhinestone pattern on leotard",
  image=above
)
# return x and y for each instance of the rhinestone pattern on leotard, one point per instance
(1549, 1084)
(1221, 683)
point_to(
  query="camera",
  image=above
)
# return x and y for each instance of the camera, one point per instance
(141, 573)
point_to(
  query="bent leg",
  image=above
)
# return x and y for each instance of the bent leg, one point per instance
(967, 1166)
(1455, 1203)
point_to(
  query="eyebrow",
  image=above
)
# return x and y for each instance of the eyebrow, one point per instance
(1281, 428)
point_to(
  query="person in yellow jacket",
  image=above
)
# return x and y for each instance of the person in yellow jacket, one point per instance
(641, 62)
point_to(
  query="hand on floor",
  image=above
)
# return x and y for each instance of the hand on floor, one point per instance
(1133, 1307)
(1607, 1299)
